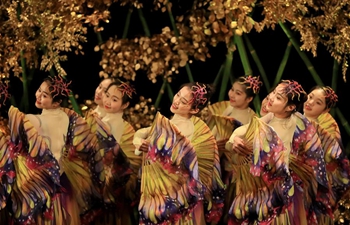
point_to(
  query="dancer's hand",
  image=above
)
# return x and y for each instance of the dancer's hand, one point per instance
(144, 146)
(239, 146)
(221, 144)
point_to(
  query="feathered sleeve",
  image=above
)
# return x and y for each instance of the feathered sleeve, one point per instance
(215, 109)
(170, 186)
(263, 185)
(37, 171)
(126, 143)
(82, 160)
(337, 165)
(209, 169)
(7, 169)
(309, 169)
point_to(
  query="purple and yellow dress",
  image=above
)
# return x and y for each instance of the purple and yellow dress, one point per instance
(337, 165)
(261, 182)
(57, 169)
(121, 192)
(182, 170)
(307, 167)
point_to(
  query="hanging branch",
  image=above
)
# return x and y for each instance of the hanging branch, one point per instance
(257, 62)
(219, 75)
(170, 91)
(282, 64)
(302, 55)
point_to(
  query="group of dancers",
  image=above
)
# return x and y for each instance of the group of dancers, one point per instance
(284, 165)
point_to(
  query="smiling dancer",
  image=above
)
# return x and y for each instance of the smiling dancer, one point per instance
(183, 203)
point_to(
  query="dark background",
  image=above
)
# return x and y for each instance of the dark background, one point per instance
(270, 45)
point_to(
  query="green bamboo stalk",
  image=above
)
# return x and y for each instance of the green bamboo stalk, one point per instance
(232, 79)
(127, 23)
(219, 75)
(170, 91)
(343, 121)
(257, 62)
(302, 55)
(160, 94)
(144, 23)
(243, 55)
(176, 32)
(71, 97)
(282, 64)
(246, 66)
(25, 99)
(226, 75)
(334, 80)
(335, 74)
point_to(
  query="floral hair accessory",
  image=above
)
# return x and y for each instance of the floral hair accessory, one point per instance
(59, 86)
(4, 92)
(126, 89)
(199, 92)
(293, 88)
(330, 96)
(253, 82)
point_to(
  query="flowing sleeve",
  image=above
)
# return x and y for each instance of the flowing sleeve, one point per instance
(82, 161)
(337, 165)
(126, 143)
(309, 170)
(209, 170)
(262, 182)
(7, 170)
(37, 171)
(216, 109)
(170, 187)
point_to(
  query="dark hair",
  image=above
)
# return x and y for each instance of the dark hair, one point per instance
(295, 94)
(330, 96)
(58, 88)
(252, 84)
(201, 94)
(127, 90)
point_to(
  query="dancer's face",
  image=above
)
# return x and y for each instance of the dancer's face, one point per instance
(277, 102)
(238, 96)
(100, 91)
(44, 98)
(315, 104)
(113, 100)
(182, 103)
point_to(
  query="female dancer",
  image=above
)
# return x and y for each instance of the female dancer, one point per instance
(301, 149)
(320, 101)
(227, 116)
(58, 170)
(99, 93)
(187, 139)
(120, 197)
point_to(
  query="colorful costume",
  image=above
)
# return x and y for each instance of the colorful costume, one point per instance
(49, 187)
(121, 192)
(337, 165)
(261, 181)
(307, 166)
(172, 157)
